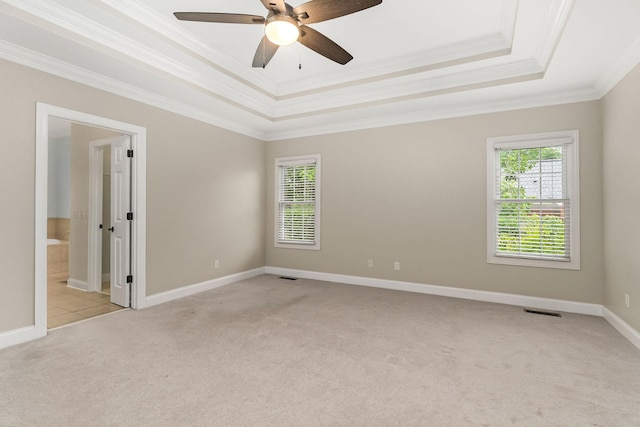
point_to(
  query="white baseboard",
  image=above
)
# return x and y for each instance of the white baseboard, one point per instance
(29, 333)
(623, 327)
(18, 336)
(446, 291)
(199, 287)
(78, 284)
(501, 298)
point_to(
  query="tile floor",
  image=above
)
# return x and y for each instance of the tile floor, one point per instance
(67, 305)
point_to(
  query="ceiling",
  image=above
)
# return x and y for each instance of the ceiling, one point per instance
(413, 60)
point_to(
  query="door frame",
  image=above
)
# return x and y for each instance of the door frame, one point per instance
(94, 269)
(138, 202)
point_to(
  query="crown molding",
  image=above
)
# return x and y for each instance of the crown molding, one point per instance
(169, 30)
(394, 81)
(297, 129)
(76, 74)
(619, 69)
(509, 19)
(557, 21)
(226, 94)
(411, 87)
(468, 51)
(485, 47)
(104, 39)
(427, 61)
(413, 114)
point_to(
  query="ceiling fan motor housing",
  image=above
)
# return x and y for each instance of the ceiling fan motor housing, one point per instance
(282, 29)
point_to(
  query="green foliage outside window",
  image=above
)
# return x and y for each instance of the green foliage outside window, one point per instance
(526, 225)
(531, 233)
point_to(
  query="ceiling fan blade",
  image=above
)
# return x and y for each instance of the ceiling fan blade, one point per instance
(278, 6)
(323, 45)
(323, 10)
(264, 53)
(225, 18)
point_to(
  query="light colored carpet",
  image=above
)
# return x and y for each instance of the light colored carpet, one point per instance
(272, 352)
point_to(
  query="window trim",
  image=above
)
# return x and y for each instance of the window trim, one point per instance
(570, 137)
(297, 160)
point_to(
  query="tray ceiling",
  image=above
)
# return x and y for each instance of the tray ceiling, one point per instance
(413, 61)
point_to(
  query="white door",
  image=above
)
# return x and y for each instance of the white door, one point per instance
(120, 226)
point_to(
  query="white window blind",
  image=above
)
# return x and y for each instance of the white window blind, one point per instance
(297, 204)
(532, 205)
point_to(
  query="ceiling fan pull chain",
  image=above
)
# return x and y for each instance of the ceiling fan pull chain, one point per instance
(300, 57)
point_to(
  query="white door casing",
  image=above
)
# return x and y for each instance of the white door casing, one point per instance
(138, 181)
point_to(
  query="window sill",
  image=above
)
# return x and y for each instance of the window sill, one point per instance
(303, 246)
(528, 262)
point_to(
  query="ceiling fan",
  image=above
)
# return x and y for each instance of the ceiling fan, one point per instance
(284, 25)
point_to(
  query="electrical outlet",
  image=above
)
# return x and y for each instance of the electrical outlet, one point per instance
(396, 265)
(626, 300)
(216, 264)
(370, 263)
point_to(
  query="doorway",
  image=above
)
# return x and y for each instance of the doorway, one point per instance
(136, 136)
(68, 299)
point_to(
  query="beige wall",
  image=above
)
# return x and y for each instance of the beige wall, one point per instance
(208, 195)
(413, 193)
(417, 194)
(621, 154)
(205, 192)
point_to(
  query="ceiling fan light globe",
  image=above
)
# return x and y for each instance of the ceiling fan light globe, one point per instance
(282, 30)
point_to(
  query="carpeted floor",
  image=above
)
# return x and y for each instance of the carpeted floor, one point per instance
(272, 352)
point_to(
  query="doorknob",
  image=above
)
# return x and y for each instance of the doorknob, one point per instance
(110, 229)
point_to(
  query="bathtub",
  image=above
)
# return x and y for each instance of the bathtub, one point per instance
(57, 256)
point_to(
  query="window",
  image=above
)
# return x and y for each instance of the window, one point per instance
(533, 206)
(297, 193)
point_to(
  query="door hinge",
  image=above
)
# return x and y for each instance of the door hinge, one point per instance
(129, 153)
(129, 216)
(130, 279)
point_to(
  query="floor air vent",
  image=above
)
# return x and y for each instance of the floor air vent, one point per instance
(288, 278)
(542, 312)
